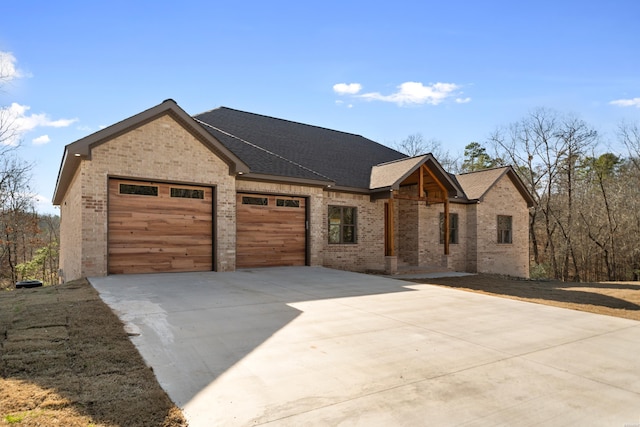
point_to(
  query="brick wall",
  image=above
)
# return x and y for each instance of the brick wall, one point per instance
(159, 150)
(70, 260)
(511, 258)
(471, 228)
(368, 252)
(431, 251)
(409, 231)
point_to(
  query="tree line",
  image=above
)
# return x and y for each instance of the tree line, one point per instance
(586, 220)
(28, 241)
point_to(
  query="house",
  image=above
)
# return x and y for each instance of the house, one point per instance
(164, 191)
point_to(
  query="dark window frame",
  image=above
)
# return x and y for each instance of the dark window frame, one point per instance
(186, 193)
(454, 226)
(138, 189)
(347, 232)
(287, 203)
(255, 201)
(505, 229)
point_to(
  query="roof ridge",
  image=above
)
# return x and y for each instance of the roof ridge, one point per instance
(282, 120)
(484, 170)
(404, 159)
(262, 149)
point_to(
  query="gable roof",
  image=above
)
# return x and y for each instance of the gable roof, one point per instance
(389, 176)
(277, 147)
(476, 184)
(80, 150)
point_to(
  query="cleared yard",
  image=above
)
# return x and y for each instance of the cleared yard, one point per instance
(65, 359)
(620, 299)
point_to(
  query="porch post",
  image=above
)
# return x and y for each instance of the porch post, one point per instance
(446, 225)
(390, 249)
(390, 259)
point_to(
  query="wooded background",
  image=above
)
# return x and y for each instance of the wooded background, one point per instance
(585, 225)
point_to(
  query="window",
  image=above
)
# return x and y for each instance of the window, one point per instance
(187, 193)
(140, 190)
(453, 228)
(342, 224)
(261, 201)
(504, 229)
(287, 203)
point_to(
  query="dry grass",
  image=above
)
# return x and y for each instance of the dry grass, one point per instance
(66, 360)
(620, 299)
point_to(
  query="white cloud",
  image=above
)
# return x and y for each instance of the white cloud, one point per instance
(20, 122)
(635, 102)
(41, 140)
(416, 93)
(347, 89)
(8, 70)
(463, 100)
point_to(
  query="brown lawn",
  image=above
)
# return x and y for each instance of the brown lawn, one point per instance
(66, 360)
(620, 299)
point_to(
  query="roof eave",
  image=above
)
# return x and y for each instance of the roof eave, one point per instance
(521, 187)
(68, 166)
(285, 179)
(81, 149)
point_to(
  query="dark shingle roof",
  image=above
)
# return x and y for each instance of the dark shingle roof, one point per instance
(283, 148)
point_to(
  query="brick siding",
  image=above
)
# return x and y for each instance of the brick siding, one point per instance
(159, 150)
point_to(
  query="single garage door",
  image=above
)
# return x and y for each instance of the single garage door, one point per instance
(159, 227)
(271, 230)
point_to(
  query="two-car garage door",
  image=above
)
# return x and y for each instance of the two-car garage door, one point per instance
(161, 227)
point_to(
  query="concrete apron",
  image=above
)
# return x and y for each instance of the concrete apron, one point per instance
(314, 346)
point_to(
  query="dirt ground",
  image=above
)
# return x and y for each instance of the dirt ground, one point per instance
(66, 360)
(620, 299)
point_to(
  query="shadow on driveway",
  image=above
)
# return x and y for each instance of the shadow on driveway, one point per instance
(192, 327)
(592, 297)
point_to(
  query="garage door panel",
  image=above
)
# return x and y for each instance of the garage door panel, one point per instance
(139, 228)
(159, 233)
(270, 235)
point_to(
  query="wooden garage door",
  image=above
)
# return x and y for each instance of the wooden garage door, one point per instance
(271, 231)
(158, 227)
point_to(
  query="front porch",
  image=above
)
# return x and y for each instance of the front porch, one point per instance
(414, 187)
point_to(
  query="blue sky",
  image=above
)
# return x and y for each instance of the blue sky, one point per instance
(450, 70)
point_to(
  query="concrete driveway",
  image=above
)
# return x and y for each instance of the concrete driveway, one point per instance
(313, 346)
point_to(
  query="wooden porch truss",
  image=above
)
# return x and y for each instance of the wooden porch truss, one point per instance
(429, 190)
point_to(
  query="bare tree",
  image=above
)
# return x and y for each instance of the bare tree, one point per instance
(416, 145)
(575, 138)
(629, 134)
(18, 222)
(526, 145)
(17, 219)
(545, 148)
